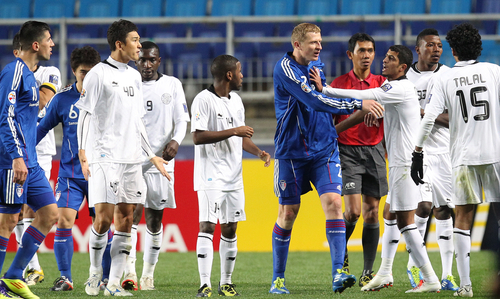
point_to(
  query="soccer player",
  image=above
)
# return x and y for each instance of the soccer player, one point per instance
(362, 156)
(429, 49)
(220, 136)
(111, 138)
(402, 115)
(23, 180)
(166, 121)
(470, 91)
(71, 186)
(306, 151)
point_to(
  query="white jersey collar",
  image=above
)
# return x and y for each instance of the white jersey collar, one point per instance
(465, 62)
(117, 64)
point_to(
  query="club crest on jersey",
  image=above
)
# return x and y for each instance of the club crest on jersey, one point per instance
(386, 87)
(19, 190)
(58, 195)
(54, 79)
(12, 97)
(305, 88)
(283, 185)
(166, 98)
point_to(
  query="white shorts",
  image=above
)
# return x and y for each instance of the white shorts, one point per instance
(115, 183)
(438, 174)
(225, 206)
(470, 180)
(45, 162)
(159, 191)
(403, 194)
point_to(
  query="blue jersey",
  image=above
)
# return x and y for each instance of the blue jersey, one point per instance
(18, 114)
(62, 109)
(304, 116)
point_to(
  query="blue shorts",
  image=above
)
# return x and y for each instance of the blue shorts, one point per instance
(293, 177)
(70, 192)
(36, 191)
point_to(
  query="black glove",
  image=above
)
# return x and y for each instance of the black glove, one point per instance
(417, 167)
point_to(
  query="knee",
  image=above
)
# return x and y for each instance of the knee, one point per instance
(102, 224)
(288, 216)
(52, 216)
(424, 209)
(371, 214)
(154, 227)
(207, 227)
(351, 214)
(442, 213)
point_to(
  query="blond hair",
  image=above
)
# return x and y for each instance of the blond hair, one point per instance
(300, 31)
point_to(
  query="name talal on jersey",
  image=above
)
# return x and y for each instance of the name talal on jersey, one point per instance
(469, 80)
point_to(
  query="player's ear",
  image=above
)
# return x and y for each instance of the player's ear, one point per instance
(229, 75)
(349, 54)
(35, 46)
(296, 44)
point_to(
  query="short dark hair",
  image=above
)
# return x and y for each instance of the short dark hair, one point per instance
(465, 40)
(16, 43)
(359, 37)
(118, 32)
(221, 65)
(424, 33)
(150, 45)
(85, 55)
(30, 32)
(405, 55)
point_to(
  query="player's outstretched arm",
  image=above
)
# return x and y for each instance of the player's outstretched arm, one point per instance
(250, 147)
(206, 137)
(373, 107)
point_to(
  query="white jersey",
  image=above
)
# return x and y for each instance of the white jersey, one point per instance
(112, 95)
(165, 105)
(471, 92)
(439, 139)
(51, 76)
(218, 165)
(402, 115)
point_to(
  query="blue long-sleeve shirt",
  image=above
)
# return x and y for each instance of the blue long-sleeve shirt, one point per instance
(304, 116)
(18, 114)
(62, 109)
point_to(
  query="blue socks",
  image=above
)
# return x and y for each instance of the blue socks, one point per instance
(31, 240)
(335, 234)
(63, 250)
(106, 258)
(3, 250)
(281, 243)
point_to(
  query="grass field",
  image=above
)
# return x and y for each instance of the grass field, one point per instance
(308, 275)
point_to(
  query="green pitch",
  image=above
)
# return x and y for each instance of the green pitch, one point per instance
(308, 276)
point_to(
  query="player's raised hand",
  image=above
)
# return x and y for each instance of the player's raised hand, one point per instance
(244, 131)
(170, 150)
(20, 171)
(84, 163)
(374, 107)
(417, 167)
(266, 157)
(158, 163)
(316, 78)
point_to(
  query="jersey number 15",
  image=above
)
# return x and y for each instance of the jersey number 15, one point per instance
(475, 103)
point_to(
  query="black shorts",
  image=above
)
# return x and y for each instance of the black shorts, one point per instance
(363, 170)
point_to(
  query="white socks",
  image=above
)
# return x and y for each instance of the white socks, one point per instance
(227, 250)
(205, 253)
(462, 249)
(418, 252)
(97, 245)
(120, 249)
(132, 257)
(444, 236)
(390, 240)
(152, 251)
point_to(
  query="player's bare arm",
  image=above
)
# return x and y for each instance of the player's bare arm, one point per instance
(85, 164)
(170, 150)
(253, 149)
(20, 170)
(373, 107)
(45, 95)
(204, 137)
(355, 118)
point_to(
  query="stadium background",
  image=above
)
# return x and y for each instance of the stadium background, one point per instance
(191, 33)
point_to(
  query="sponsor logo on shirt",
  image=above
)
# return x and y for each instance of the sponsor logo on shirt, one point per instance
(283, 185)
(12, 97)
(386, 87)
(305, 88)
(54, 79)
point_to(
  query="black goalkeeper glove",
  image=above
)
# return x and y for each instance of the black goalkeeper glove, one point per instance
(417, 167)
